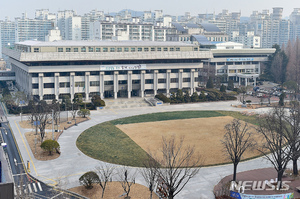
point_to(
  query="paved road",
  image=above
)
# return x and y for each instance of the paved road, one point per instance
(25, 185)
(72, 163)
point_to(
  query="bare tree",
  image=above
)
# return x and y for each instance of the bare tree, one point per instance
(275, 148)
(127, 179)
(293, 134)
(105, 173)
(149, 174)
(178, 165)
(41, 114)
(236, 141)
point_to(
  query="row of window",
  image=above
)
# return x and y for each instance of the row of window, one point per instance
(238, 70)
(119, 49)
(97, 73)
(97, 83)
(234, 63)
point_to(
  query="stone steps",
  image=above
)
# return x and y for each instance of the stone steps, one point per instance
(122, 103)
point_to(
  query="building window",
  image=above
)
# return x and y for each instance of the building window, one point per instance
(158, 49)
(48, 74)
(122, 81)
(98, 49)
(83, 49)
(152, 49)
(108, 82)
(165, 49)
(186, 70)
(35, 86)
(64, 74)
(136, 81)
(195, 49)
(171, 49)
(149, 81)
(186, 79)
(60, 50)
(105, 49)
(160, 81)
(79, 73)
(177, 49)
(220, 71)
(94, 83)
(162, 71)
(75, 50)
(48, 85)
(140, 49)
(108, 72)
(91, 49)
(136, 72)
(34, 74)
(126, 49)
(49, 97)
(79, 84)
(64, 84)
(119, 49)
(112, 49)
(95, 73)
(174, 80)
(132, 50)
(146, 49)
(68, 49)
(36, 50)
(174, 71)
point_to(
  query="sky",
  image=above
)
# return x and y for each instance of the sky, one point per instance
(15, 8)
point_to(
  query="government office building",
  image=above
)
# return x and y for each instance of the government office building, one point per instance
(111, 69)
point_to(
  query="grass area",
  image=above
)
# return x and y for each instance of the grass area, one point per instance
(108, 143)
(176, 115)
(250, 119)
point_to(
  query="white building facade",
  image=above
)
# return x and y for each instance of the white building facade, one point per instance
(111, 69)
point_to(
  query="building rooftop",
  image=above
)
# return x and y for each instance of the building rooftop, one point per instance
(63, 43)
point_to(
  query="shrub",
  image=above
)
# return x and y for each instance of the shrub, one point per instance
(163, 98)
(97, 101)
(50, 145)
(88, 179)
(84, 112)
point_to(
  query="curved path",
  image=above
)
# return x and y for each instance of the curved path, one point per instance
(72, 163)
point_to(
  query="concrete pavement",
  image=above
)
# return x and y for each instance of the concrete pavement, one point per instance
(72, 163)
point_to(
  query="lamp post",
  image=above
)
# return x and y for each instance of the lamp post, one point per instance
(52, 124)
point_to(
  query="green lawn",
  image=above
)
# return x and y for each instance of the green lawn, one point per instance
(107, 143)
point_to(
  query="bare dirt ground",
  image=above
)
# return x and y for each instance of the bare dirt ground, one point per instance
(25, 124)
(114, 190)
(37, 151)
(204, 134)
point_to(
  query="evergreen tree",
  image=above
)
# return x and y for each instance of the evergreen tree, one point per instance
(210, 83)
(187, 98)
(223, 88)
(202, 96)
(195, 97)
(179, 96)
(230, 85)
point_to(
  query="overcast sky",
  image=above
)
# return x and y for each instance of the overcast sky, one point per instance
(15, 8)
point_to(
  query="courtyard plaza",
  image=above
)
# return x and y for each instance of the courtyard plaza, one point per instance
(72, 163)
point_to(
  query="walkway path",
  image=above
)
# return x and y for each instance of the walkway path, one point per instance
(72, 163)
